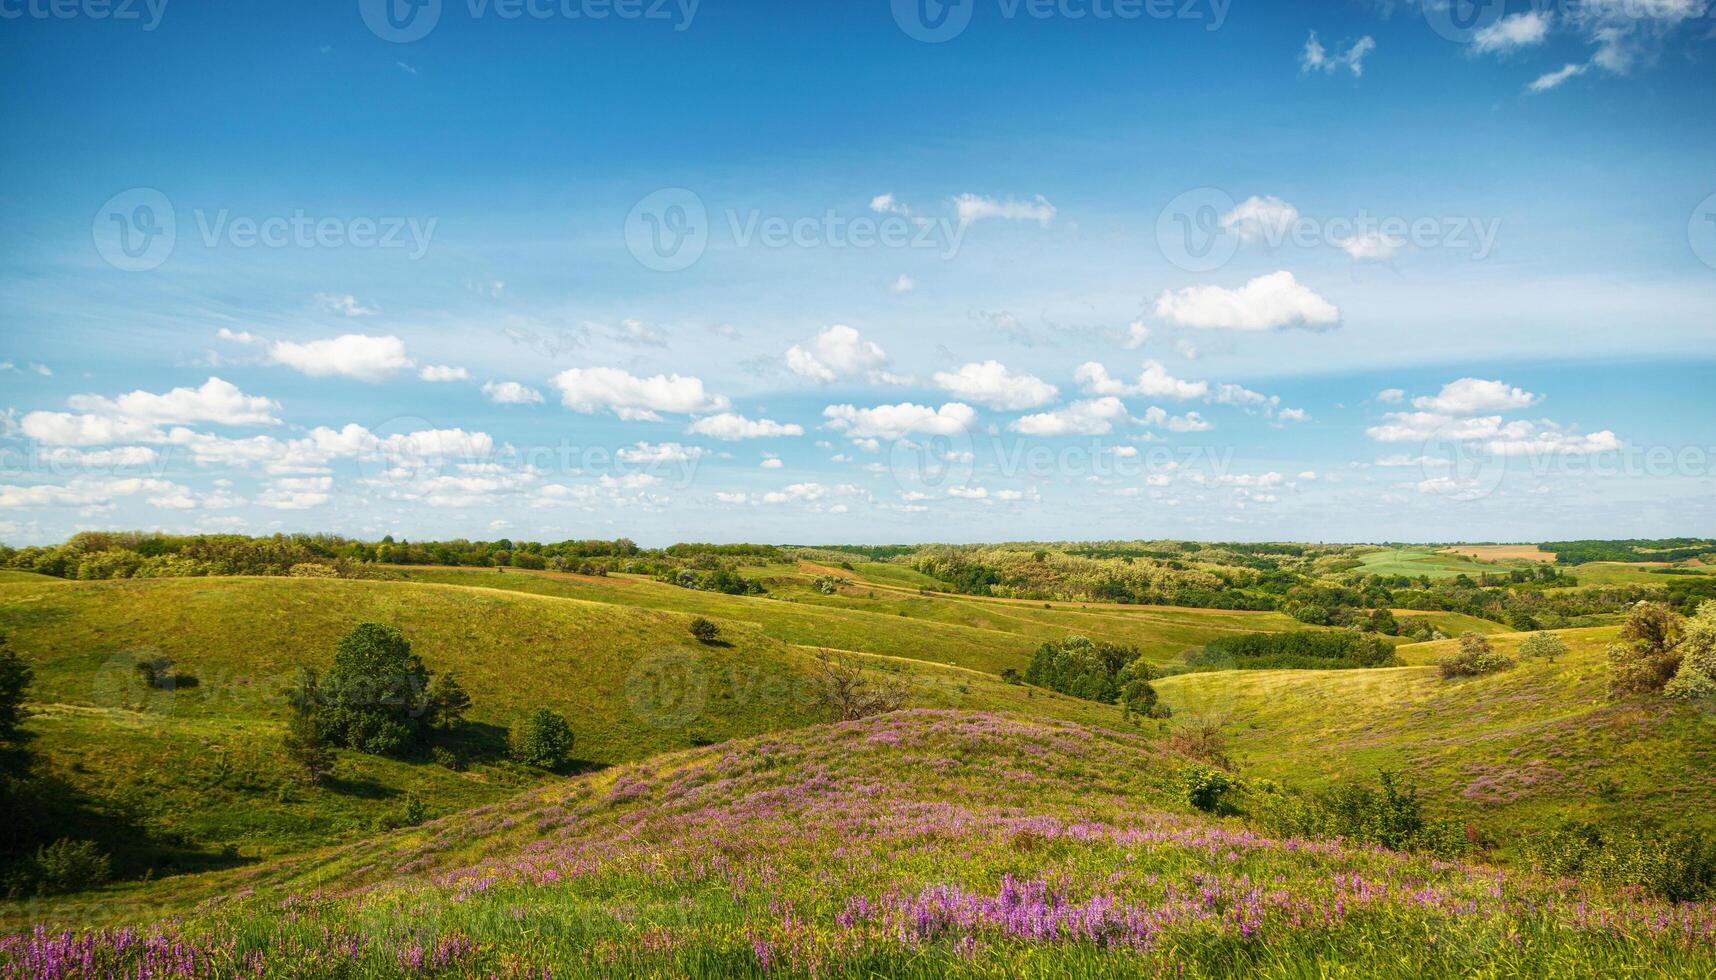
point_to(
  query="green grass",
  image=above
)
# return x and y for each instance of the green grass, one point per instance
(1453, 623)
(1429, 561)
(1508, 752)
(917, 844)
(1623, 573)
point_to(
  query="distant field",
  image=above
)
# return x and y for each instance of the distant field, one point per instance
(1627, 573)
(1508, 751)
(1453, 623)
(1422, 561)
(1502, 552)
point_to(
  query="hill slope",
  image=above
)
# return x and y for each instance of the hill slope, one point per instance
(916, 844)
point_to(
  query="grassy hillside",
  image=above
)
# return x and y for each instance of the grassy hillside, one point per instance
(1453, 623)
(983, 634)
(1508, 751)
(202, 764)
(917, 844)
(1424, 560)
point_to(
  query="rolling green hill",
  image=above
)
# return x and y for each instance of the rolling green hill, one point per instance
(915, 844)
(1509, 751)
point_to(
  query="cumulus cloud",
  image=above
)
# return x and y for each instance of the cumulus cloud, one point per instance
(1260, 219)
(436, 372)
(839, 352)
(214, 401)
(898, 421)
(665, 452)
(1159, 418)
(633, 398)
(1153, 382)
(1267, 302)
(93, 491)
(511, 393)
(1372, 245)
(357, 356)
(1294, 415)
(1314, 57)
(991, 384)
(972, 207)
(1091, 417)
(1470, 396)
(731, 427)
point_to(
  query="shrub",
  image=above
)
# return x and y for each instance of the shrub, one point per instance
(705, 630)
(1207, 789)
(1648, 656)
(1474, 658)
(447, 758)
(1549, 646)
(1088, 669)
(1201, 738)
(71, 865)
(1295, 650)
(1696, 677)
(1390, 815)
(846, 692)
(1678, 865)
(544, 740)
(307, 750)
(448, 702)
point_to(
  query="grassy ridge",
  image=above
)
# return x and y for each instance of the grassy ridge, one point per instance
(917, 844)
(203, 763)
(1509, 751)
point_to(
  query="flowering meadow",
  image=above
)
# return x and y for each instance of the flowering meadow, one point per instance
(920, 843)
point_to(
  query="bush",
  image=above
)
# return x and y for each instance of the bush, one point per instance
(544, 740)
(1648, 656)
(15, 676)
(1391, 816)
(1207, 789)
(1696, 677)
(1475, 657)
(68, 866)
(1549, 646)
(1678, 865)
(846, 692)
(1295, 650)
(705, 630)
(1096, 671)
(375, 699)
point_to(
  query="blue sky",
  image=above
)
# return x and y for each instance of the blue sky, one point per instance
(787, 272)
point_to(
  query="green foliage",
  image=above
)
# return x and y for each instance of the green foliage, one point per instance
(15, 677)
(720, 580)
(1389, 815)
(1296, 650)
(448, 702)
(1678, 865)
(1696, 677)
(1475, 658)
(543, 740)
(309, 757)
(704, 630)
(1209, 789)
(71, 865)
(1096, 671)
(1648, 656)
(375, 698)
(1546, 646)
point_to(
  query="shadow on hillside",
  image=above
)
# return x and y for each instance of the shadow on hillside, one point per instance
(363, 788)
(476, 741)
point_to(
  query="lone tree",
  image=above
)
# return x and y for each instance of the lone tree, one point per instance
(1549, 646)
(846, 692)
(544, 740)
(1648, 656)
(705, 630)
(307, 749)
(448, 702)
(375, 699)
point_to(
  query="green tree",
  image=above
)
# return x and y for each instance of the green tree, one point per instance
(1648, 656)
(307, 749)
(15, 677)
(1549, 646)
(705, 630)
(544, 740)
(448, 701)
(375, 699)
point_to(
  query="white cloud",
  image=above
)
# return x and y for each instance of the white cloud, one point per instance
(839, 352)
(357, 356)
(972, 207)
(238, 336)
(1294, 415)
(897, 421)
(633, 398)
(1136, 334)
(511, 393)
(904, 284)
(771, 464)
(991, 384)
(91, 491)
(1391, 396)
(346, 305)
(1547, 443)
(888, 204)
(1425, 426)
(1553, 79)
(435, 372)
(1091, 417)
(640, 334)
(1315, 57)
(1189, 422)
(666, 452)
(215, 401)
(296, 493)
(1268, 302)
(1260, 219)
(1229, 394)
(1371, 244)
(1153, 382)
(731, 427)
(1469, 396)
(1515, 31)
